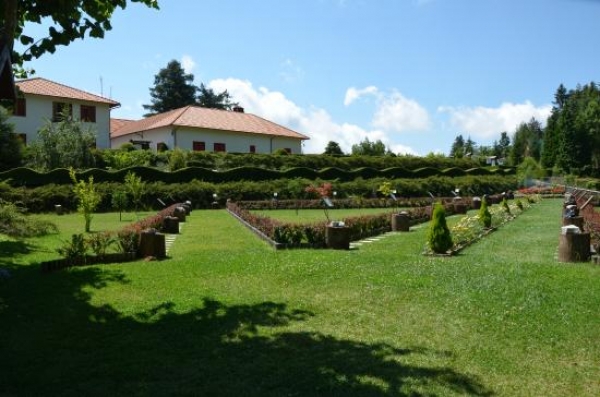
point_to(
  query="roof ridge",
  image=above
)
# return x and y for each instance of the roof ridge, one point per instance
(66, 86)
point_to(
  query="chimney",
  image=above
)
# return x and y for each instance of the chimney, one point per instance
(238, 109)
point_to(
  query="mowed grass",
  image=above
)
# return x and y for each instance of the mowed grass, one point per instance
(316, 215)
(226, 315)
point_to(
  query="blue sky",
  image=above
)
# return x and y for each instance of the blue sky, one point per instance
(413, 73)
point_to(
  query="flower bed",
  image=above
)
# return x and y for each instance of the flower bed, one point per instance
(128, 240)
(312, 235)
(470, 229)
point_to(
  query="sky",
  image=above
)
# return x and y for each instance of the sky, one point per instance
(412, 73)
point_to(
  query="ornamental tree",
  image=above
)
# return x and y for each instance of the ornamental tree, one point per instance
(88, 197)
(439, 238)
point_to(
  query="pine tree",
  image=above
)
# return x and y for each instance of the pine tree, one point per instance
(207, 98)
(172, 89)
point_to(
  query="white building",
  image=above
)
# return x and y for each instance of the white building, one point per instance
(202, 129)
(40, 100)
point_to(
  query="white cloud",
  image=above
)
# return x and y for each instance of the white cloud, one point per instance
(352, 93)
(291, 73)
(486, 123)
(188, 63)
(398, 113)
(313, 122)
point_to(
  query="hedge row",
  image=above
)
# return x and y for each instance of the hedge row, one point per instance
(223, 161)
(29, 177)
(44, 198)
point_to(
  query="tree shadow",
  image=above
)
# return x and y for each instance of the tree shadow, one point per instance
(56, 342)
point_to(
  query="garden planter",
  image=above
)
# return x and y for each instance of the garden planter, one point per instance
(476, 203)
(152, 244)
(337, 237)
(58, 209)
(187, 207)
(400, 222)
(179, 212)
(170, 225)
(575, 220)
(574, 247)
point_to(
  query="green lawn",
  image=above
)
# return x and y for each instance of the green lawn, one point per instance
(228, 316)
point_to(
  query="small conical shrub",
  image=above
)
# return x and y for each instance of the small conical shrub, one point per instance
(439, 237)
(505, 206)
(484, 214)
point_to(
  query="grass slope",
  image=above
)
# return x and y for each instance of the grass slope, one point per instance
(228, 316)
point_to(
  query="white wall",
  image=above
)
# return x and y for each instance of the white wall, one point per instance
(154, 136)
(39, 111)
(234, 141)
(184, 138)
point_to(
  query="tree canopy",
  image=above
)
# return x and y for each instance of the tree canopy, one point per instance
(368, 148)
(71, 20)
(174, 88)
(333, 148)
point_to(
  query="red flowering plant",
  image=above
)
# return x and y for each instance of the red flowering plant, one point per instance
(323, 192)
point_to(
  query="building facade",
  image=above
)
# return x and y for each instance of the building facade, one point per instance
(40, 100)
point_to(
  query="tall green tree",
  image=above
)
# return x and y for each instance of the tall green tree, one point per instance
(207, 98)
(64, 144)
(11, 147)
(71, 20)
(368, 148)
(469, 147)
(173, 89)
(527, 142)
(458, 147)
(333, 148)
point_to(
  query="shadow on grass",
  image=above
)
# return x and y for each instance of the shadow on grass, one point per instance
(56, 342)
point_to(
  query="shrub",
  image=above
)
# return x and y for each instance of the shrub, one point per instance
(439, 238)
(484, 214)
(76, 248)
(99, 243)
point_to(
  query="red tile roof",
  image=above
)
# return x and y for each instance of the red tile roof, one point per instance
(41, 86)
(117, 124)
(211, 119)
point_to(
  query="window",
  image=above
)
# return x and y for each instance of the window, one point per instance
(20, 108)
(88, 113)
(219, 147)
(252, 148)
(58, 108)
(198, 146)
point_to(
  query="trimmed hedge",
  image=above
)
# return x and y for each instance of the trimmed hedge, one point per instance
(29, 177)
(44, 198)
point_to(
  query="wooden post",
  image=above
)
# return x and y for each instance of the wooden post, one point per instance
(152, 244)
(574, 247)
(400, 222)
(337, 237)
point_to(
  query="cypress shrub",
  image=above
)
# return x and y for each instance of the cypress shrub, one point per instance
(439, 237)
(484, 213)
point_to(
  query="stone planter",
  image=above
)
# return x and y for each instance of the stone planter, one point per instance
(152, 243)
(179, 212)
(170, 225)
(337, 237)
(400, 222)
(476, 203)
